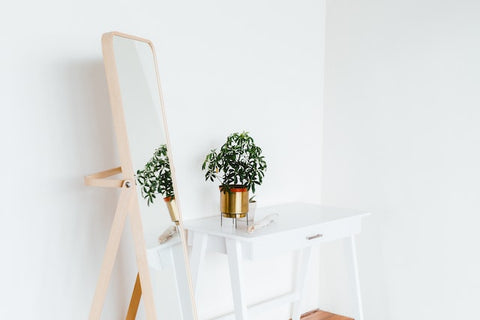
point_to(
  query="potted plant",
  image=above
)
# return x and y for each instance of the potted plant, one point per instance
(239, 166)
(156, 178)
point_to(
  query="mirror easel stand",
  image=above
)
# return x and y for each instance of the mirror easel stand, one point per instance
(127, 205)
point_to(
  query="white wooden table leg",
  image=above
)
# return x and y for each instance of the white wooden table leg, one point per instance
(356, 281)
(234, 252)
(300, 280)
(180, 272)
(199, 248)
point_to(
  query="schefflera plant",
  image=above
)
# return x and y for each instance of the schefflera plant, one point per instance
(239, 162)
(156, 177)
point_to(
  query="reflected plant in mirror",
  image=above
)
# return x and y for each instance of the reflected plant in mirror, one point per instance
(156, 177)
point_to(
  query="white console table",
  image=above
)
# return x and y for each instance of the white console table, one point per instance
(299, 226)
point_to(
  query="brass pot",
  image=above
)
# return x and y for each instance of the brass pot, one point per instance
(234, 204)
(172, 208)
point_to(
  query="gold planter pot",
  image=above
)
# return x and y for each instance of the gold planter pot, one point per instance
(234, 204)
(172, 208)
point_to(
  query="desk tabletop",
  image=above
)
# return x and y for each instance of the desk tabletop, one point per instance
(291, 216)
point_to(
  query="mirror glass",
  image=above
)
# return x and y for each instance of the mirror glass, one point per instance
(148, 143)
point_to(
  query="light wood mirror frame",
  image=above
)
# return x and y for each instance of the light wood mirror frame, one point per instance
(128, 203)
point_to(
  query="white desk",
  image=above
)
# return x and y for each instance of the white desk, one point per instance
(300, 226)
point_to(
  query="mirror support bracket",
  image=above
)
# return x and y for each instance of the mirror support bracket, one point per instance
(99, 179)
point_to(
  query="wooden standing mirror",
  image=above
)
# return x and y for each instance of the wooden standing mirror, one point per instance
(147, 174)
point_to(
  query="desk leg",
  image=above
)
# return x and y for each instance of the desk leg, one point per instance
(199, 248)
(234, 252)
(354, 274)
(180, 272)
(300, 280)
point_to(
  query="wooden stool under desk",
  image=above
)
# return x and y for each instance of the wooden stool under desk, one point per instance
(299, 226)
(322, 315)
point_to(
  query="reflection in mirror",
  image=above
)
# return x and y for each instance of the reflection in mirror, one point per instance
(156, 179)
(148, 143)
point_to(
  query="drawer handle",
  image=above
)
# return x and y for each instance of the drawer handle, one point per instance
(319, 235)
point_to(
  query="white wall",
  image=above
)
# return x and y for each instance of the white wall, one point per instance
(401, 140)
(255, 65)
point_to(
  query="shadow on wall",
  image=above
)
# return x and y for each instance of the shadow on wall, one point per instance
(94, 149)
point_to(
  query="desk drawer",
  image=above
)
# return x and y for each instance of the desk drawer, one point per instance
(301, 238)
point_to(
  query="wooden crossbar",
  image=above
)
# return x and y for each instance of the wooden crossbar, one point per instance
(99, 179)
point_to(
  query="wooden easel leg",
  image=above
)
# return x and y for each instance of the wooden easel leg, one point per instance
(135, 300)
(142, 263)
(110, 254)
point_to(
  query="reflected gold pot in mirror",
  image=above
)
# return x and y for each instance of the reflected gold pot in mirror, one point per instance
(172, 208)
(234, 204)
